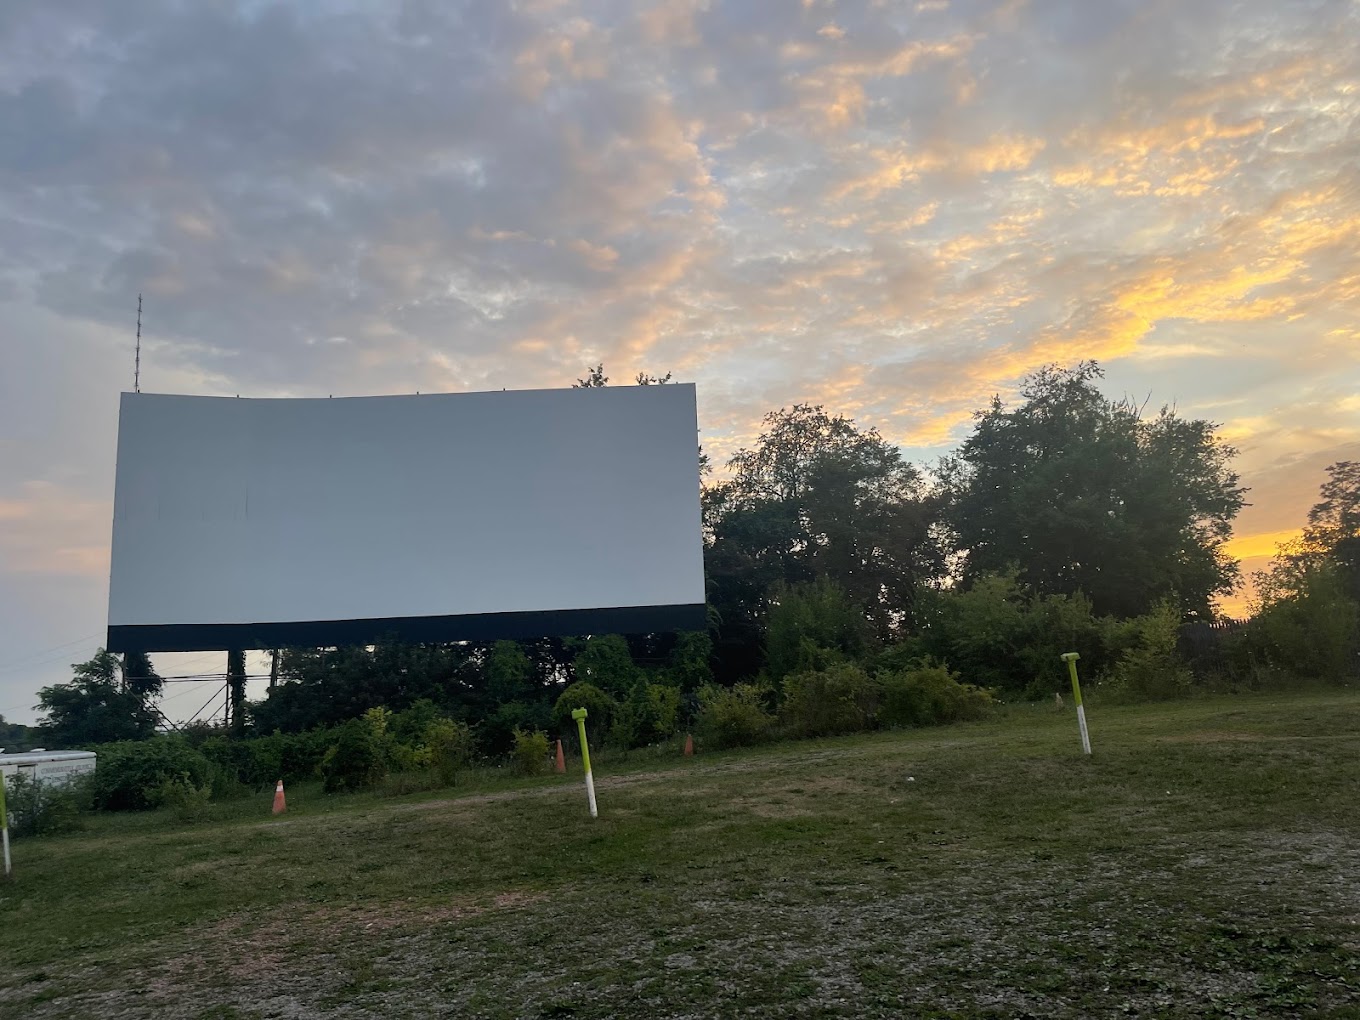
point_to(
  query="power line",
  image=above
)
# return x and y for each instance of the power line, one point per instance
(25, 660)
(187, 690)
(211, 676)
(197, 660)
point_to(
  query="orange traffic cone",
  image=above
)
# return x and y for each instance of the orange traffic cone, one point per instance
(561, 761)
(689, 745)
(280, 805)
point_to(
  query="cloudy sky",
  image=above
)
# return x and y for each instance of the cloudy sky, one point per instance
(892, 209)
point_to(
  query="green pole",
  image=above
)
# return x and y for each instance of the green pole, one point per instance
(579, 714)
(1071, 659)
(4, 825)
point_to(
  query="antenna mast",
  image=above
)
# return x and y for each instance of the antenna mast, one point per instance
(137, 368)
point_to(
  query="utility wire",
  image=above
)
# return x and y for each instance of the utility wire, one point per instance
(27, 660)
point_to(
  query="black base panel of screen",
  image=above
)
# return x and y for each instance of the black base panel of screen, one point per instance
(209, 637)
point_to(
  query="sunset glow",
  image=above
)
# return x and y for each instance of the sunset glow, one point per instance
(894, 210)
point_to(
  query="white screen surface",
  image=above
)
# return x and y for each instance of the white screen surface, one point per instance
(239, 512)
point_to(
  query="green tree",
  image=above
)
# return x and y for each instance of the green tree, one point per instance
(140, 676)
(16, 736)
(605, 662)
(1083, 493)
(813, 626)
(1308, 618)
(100, 704)
(355, 761)
(997, 632)
(1330, 542)
(510, 675)
(816, 496)
(600, 709)
(1314, 631)
(1334, 523)
(326, 686)
(689, 667)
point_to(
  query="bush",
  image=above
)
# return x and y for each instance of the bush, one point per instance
(496, 733)
(689, 667)
(354, 761)
(606, 663)
(411, 725)
(131, 775)
(650, 714)
(599, 706)
(928, 694)
(300, 754)
(45, 809)
(450, 745)
(531, 752)
(733, 716)
(1151, 666)
(999, 633)
(188, 803)
(252, 763)
(257, 763)
(812, 626)
(839, 699)
(1314, 633)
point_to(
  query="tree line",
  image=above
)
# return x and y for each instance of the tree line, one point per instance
(1065, 521)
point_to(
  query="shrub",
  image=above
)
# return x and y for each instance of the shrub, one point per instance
(733, 716)
(496, 733)
(188, 803)
(659, 711)
(450, 745)
(999, 633)
(250, 763)
(820, 703)
(927, 694)
(509, 673)
(811, 626)
(259, 762)
(623, 733)
(411, 725)
(689, 667)
(131, 775)
(300, 754)
(650, 714)
(531, 752)
(1151, 666)
(599, 706)
(354, 761)
(1313, 633)
(44, 809)
(605, 662)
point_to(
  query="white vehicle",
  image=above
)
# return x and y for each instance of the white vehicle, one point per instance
(47, 766)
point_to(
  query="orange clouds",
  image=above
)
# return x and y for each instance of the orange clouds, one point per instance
(896, 166)
(1258, 546)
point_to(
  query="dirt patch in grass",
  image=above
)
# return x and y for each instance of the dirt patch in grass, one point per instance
(1211, 737)
(1218, 875)
(337, 922)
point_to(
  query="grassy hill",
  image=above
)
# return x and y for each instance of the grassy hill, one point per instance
(1203, 863)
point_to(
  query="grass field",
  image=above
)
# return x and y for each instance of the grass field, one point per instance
(1203, 863)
